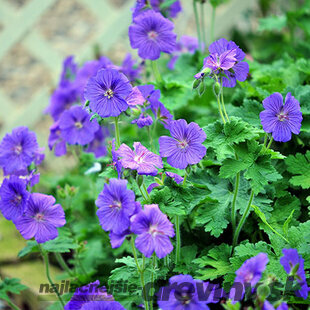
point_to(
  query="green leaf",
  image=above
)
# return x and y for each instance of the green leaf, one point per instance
(261, 173)
(215, 264)
(287, 223)
(302, 94)
(300, 165)
(262, 216)
(31, 247)
(60, 245)
(10, 285)
(174, 199)
(222, 137)
(272, 23)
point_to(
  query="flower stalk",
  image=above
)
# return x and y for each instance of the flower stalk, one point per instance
(117, 133)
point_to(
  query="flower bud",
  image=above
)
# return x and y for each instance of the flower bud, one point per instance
(263, 291)
(188, 169)
(217, 89)
(140, 180)
(206, 71)
(202, 88)
(196, 83)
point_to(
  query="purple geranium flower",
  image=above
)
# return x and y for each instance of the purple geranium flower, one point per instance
(184, 147)
(135, 98)
(186, 44)
(130, 68)
(107, 92)
(56, 141)
(151, 187)
(152, 34)
(251, 270)
(88, 294)
(171, 11)
(103, 305)
(61, 100)
(89, 69)
(116, 204)
(97, 145)
(41, 218)
(14, 197)
(293, 264)
(177, 178)
(281, 120)
(18, 150)
(268, 306)
(153, 229)
(161, 113)
(182, 293)
(143, 120)
(118, 239)
(226, 59)
(141, 159)
(76, 127)
(69, 70)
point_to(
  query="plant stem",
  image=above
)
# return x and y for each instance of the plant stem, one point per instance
(203, 26)
(142, 192)
(152, 279)
(197, 22)
(185, 178)
(178, 237)
(222, 100)
(265, 139)
(269, 144)
(47, 270)
(233, 205)
(63, 264)
(140, 271)
(12, 305)
(117, 135)
(212, 23)
(134, 252)
(242, 221)
(220, 109)
(146, 192)
(156, 72)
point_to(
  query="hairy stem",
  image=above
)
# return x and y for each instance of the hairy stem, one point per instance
(197, 22)
(156, 72)
(222, 100)
(12, 305)
(117, 134)
(178, 237)
(47, 271)
(220, 109)
(233, 205)
(63, 264)
(243, 219)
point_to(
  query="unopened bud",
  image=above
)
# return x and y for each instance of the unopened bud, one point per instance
(196, 83)
(188, 169)
(202, 88)
(140, 180)
(263, 291)
(217, 88)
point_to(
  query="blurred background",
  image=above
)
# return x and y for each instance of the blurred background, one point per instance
(35, 37)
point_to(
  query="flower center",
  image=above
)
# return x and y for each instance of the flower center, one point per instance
(282, 116)
(39, 217)
(116, 205)
(109, 93)
(152, 35)
(153, 231)
(17, 149)
(182, 144)
(248, 277)
(78, 125)
(17, 199)
(139, 158)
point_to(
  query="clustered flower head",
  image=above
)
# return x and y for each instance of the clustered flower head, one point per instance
(281, 119)
(184, 147)
(152, 34)
(226, 62)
